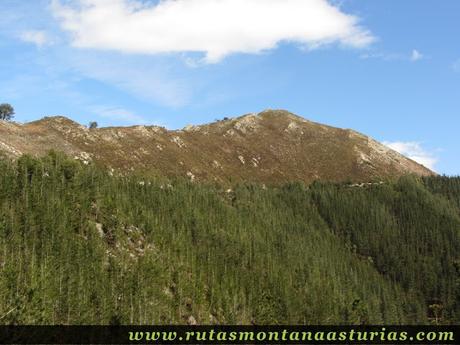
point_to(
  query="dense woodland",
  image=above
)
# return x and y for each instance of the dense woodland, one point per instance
(79, 246)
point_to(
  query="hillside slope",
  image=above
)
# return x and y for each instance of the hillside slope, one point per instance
(270, 147)
(79, 246)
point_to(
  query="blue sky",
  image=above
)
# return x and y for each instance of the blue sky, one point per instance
(389, 68)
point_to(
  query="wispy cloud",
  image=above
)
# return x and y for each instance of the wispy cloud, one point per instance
(416, 55)
(38, 37)
(118, 114)
(383, 56)
(414, 151)
(216, 28)
(456, 66)
(153, 80)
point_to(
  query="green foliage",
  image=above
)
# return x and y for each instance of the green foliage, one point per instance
(78, 246)
(6, 112)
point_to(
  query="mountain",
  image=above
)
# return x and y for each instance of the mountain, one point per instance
(271, 147)
(81, 244)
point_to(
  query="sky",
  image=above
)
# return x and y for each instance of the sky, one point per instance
(389, 69)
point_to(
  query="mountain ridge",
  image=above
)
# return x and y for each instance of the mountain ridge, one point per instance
(273, 146)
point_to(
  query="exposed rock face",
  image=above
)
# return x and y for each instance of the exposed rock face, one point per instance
(273, 146)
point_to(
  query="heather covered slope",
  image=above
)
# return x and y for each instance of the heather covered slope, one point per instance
(271, 147)
(78, 246)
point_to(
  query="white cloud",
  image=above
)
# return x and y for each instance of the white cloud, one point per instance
(414, 151)
(37, 37)
(416, 55)
(216, 28)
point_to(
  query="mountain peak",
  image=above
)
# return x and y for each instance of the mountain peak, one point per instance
(280, 113)
(55, 119)
(273, 146)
